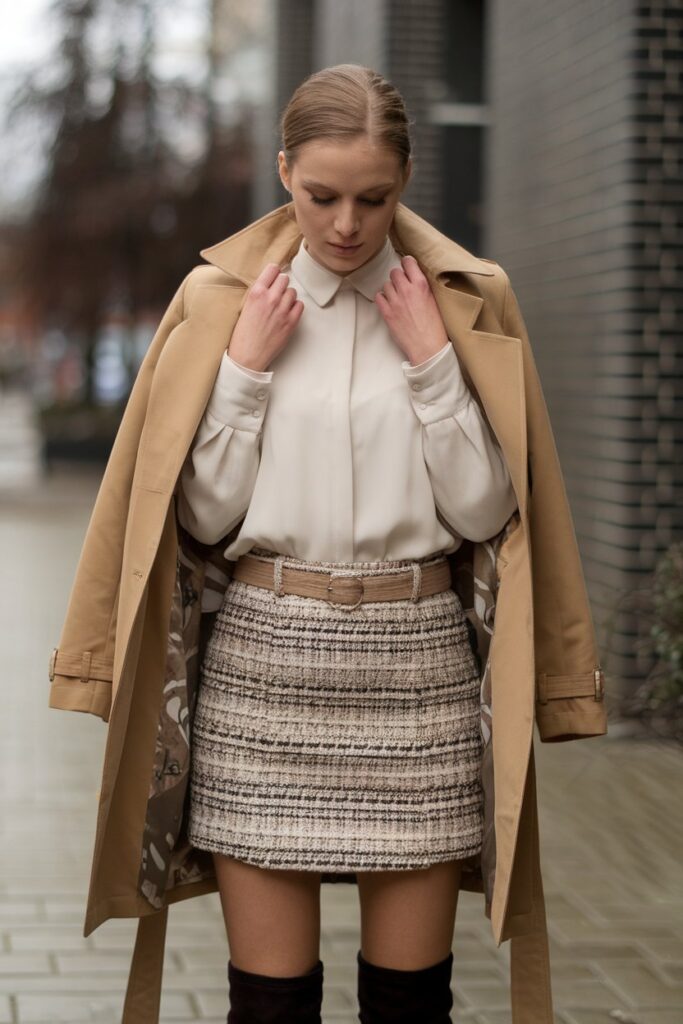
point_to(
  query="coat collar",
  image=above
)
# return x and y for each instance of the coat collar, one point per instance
(279, 238)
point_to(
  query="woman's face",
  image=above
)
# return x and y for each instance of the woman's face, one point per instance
(344, 194)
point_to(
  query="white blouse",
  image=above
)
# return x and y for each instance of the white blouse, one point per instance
(342, 450)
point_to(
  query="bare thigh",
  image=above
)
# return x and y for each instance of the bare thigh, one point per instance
(272, 917)
(408, 917)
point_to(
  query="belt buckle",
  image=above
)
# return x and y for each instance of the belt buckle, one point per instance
(341, 604)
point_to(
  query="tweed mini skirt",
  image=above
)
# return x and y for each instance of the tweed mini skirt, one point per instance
(327, 738)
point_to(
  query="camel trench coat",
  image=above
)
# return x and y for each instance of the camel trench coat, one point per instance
(145, 594)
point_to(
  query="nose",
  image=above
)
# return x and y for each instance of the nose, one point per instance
(346, 222)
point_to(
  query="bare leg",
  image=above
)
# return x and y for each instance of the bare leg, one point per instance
(408, 917)
(272, 917)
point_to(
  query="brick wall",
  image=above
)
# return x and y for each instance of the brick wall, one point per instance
(583, 164)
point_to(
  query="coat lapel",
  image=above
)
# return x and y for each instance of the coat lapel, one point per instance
(493, 364)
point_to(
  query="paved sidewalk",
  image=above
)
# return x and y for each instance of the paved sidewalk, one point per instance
(611, 839)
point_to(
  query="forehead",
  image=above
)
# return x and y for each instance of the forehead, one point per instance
(355, 165)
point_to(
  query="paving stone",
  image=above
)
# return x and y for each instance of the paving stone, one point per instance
(666, 949)
(480, 995)
(46, 937)
(20, 910)
(590, 951)
(577, 931)
(189, 959)
(15, 964)
(93, 961)
(622, 1017)
(660, 1016)
(642, 986)
(587, 994)
(672, 973)
(101, 1007)
(66, 910)
(596, 1017)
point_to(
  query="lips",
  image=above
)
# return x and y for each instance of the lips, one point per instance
(345, 248)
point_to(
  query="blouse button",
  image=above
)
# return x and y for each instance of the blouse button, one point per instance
(255, 412)
(416, 387)
(260, 394)
(423, 405)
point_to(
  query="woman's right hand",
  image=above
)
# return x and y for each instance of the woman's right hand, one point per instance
(268, 316)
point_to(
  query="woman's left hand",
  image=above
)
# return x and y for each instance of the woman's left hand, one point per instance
(409, 308)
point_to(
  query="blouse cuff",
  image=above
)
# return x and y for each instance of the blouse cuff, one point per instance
(437, 387)
(240, 395)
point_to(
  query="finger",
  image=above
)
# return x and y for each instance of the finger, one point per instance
(269, 273)
(411, 268)
(281, 282)
(289, 298)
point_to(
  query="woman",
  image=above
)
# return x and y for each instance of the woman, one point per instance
(337, 719)
(341, 436)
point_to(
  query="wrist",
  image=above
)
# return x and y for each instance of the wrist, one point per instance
(247, 360)
(425, 353)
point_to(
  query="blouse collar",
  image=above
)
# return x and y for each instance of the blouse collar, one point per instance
(322, 284)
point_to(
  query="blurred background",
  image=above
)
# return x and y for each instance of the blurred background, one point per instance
(547, 137)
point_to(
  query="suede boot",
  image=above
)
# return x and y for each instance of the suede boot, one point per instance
(262, 999)
(387, 995)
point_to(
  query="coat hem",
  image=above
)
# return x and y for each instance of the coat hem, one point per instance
(137, 906)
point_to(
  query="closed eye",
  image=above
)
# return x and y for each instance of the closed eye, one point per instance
(326, 202)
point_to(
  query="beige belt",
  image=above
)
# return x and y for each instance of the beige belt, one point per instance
(339, 587)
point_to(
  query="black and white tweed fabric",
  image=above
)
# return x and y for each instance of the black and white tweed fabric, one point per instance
(332, 739)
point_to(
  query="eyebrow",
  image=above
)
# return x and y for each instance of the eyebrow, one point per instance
(319, 184)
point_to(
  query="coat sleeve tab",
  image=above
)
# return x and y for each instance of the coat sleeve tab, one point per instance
(572, 706)
(584, 684)
(83, 665)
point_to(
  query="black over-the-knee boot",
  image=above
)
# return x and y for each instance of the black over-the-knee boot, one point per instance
(387, 995)
(266, 999)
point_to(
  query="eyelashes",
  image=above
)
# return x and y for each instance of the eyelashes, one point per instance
(326, 202)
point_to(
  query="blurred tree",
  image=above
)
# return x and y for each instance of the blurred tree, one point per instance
(120, 214)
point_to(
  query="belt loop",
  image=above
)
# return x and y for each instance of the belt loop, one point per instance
(277, 575)
(86, 659)
(417, 582)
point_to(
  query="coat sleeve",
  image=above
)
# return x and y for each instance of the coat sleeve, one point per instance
(570, 700)
(468, 473)
(218, 476)
(81, 666)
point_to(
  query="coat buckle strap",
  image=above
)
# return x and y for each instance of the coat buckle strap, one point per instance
(53, 659)
(599, 684)
(582, 684)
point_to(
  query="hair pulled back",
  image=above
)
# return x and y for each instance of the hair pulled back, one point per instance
(343, 102)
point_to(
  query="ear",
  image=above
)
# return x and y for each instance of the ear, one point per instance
(283, 170)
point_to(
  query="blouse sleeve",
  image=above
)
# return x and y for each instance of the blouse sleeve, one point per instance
(469, 476)
(219, 473)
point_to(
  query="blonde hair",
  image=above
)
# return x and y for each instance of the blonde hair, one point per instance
(343, 102)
